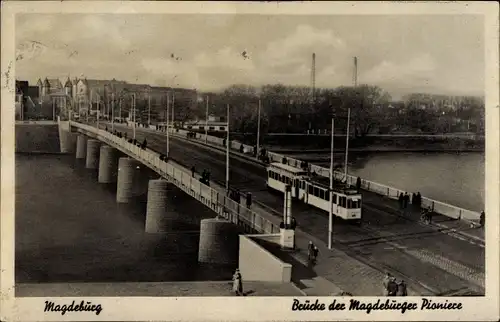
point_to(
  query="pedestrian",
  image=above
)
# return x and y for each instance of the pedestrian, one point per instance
(315, 253)
(358, 183)
(237, 283)
(310, 251)
(419, 198)
(386, 282)
(401, 200)
(414, 199)
(255, 151)
(144, 144)
(392, 287)
(238, 196)
(482, 219)
(249, 200)
(242, 149)
(402, 289)
(406, 200)
(193, 170)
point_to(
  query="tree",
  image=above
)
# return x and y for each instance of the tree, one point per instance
(367, 105)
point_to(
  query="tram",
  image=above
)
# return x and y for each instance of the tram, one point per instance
(345, 203)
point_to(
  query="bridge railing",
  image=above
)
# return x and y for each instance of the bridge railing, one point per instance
(183, 179)
(381, 189)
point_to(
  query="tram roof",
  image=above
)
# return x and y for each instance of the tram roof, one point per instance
(288, 168)
(340, 187)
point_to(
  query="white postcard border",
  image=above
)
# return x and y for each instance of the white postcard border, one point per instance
(251, 308)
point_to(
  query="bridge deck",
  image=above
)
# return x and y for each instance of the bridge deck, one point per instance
(430, 260)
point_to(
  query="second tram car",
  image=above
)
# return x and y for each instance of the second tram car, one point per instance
(345, 203)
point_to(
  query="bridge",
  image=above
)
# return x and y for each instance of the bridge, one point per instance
(440, 259)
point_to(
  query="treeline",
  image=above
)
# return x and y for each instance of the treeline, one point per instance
(294, 109)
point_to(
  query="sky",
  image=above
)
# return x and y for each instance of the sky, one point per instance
(402, 54)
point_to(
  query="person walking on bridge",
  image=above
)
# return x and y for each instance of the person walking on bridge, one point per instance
(402, 289)
(237, 283)
(249, 200)
(390, 285)
(358, 183)
(193, 171)
(482, 219)
(315, 253)
(406, 200)
(310, 251)
(401, 200)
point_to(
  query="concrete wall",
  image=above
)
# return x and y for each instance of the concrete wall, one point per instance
(257, 264)
(37, 138)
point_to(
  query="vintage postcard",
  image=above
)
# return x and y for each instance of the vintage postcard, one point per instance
(249, 161)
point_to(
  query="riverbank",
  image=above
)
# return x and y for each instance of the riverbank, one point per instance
(285, 143)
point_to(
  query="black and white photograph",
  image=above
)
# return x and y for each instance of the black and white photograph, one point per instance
(225, 151)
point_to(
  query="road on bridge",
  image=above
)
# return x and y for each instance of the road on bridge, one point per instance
(388, 240)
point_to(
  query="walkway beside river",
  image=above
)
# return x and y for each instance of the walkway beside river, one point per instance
(222, 288)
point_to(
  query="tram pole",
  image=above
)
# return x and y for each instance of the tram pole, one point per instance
(166, 119)
(258, 129)
(227, 152)
(112, 112)
(206, 123)
(133, 113)
(330, 206)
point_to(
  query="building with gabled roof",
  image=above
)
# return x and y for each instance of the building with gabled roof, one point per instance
(82, 90)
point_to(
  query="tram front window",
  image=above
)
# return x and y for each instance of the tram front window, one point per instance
(353, 203)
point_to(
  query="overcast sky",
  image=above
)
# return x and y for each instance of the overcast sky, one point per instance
(437, 54)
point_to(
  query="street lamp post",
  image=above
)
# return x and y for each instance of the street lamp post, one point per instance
(173, 109)
(206, 122)
(227, 152)
(149, 109)
(258, 129)
(330, 200)
(112, 112)
(98, 101)
(168, 138)
(133, 113)
(347, 145)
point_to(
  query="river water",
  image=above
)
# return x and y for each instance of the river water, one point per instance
(456, 179)
(69, 228)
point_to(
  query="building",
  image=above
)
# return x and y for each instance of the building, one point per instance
(27, 102)
(90, 95)
(52, 94)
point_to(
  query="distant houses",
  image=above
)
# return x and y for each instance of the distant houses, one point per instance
(86, 96)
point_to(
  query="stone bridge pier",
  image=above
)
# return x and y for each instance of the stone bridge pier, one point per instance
(219, 238)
